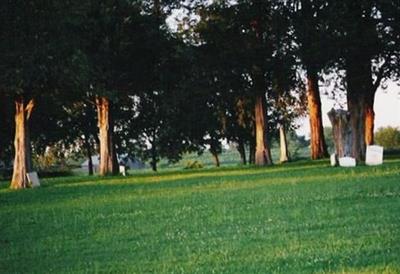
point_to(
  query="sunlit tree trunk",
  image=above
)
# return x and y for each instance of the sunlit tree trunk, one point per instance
(369, 124)
(372, 87)
(108, 156)
(263, 155)
(22, 157)
(369, 119)
(284, 154)
(317, 140)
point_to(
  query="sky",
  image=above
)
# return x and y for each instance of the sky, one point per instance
(386, 107)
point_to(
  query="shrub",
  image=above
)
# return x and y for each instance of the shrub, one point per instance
(388, 137)
(193, 164)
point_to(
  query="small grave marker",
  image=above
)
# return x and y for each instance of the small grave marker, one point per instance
(122, 170)
(374, 155)
(347, 162)
(33, 179)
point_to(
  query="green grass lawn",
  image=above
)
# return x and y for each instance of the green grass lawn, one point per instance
(303, 217)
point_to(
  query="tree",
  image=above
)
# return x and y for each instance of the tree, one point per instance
(124, 50)
(79, 129)
(315, 51)
(244, 35)
(388, 137)
(368, 56)
(35, 55)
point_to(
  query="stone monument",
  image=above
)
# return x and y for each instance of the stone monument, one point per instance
(33, 179)
(374, 156)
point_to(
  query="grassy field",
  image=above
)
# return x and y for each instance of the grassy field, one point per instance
(231, 157)
(301, 217)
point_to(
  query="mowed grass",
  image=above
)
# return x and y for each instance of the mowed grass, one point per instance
(303, 217)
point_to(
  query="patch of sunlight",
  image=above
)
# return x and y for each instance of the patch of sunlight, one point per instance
(386, 269)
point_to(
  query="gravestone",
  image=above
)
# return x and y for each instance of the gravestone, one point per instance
(347, 162)
(374, 155)
(333, 160)
(33, 179)
(122, 170)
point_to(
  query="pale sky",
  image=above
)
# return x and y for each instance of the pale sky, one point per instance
(387, 110)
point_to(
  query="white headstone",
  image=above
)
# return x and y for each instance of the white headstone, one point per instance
(347, 162)
(122, 170)
(374, 155)
(33, 179)
(333, 160)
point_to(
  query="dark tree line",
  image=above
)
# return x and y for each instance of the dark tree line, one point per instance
(110, 76)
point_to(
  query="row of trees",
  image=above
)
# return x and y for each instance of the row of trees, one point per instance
(240, 70)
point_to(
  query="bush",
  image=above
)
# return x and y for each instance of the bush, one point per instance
(388, 137)
(193, 164)
(329, 139)
(55, 171)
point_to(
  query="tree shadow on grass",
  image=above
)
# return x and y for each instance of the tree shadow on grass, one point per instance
(177, 183)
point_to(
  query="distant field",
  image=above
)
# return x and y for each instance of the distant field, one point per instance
(231, 157)
(303, 217)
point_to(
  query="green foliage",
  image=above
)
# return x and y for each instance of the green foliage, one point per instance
(48, 159)
(51, 163)
(182, 92)
(6, 129)
(329, 139)
(299, 218)
(388, 137)
(297, 145)
(193, 164)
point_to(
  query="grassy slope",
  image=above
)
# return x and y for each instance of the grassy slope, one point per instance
(302, 217)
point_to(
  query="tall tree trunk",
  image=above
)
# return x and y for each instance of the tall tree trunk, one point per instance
(252, 151)
(284, 154)
(23, 157)
(369, 119)
(359, 86)
(154, 155)
(153, 162)
(242, 151)
(372, 87)
(262, 155)
(216, 158)
(90, 164)
(89, 155)
(318, 145)
(369, 125)
(341, 132)
(357, 121)
(108, 156)
(215, 150)
(157, 9)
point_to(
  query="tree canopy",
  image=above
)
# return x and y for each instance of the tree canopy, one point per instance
(113, 77)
